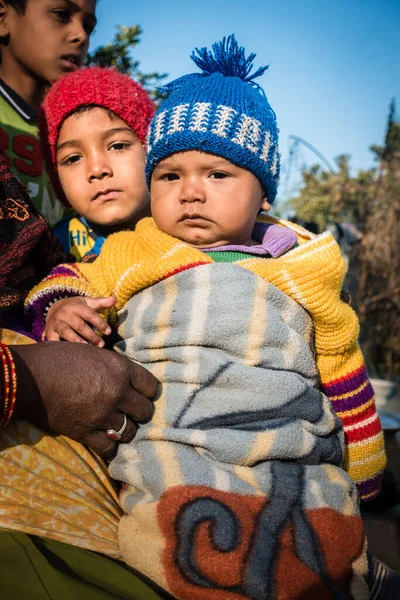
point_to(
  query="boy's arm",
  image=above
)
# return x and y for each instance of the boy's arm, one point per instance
(65, 281)
(92, 280)
(77, 320)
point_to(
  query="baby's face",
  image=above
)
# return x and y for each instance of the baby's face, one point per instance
(205, 200)
(100, 163)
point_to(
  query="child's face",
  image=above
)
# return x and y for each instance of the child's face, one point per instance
(101, 168)
(49, 39)
(205, 200)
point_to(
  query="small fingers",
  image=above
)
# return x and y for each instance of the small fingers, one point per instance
(52, 336)
(77, 309)
(100, 303)
(86, 331)
(90, 315)
(60, 330)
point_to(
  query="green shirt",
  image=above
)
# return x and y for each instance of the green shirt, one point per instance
(19, 140)
(228, 256)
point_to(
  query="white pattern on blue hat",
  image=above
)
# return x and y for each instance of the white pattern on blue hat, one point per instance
(221, 111)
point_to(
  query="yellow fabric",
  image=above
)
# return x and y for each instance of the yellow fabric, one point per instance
(313, 274)
(9, 337)
(56, 488)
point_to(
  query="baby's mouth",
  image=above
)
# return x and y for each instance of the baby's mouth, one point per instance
(193, 217)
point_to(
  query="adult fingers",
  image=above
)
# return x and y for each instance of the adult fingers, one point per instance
(142, 380)
(137, 407)
(117, 423)
(105, 447)
(100, 443)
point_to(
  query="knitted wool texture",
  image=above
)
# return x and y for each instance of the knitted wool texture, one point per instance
(106, 88)
(220, 111)
(311, 274)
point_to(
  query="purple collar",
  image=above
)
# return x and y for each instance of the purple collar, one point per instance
(274, 240)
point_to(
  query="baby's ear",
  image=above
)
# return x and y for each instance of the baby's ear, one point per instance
(265, 205)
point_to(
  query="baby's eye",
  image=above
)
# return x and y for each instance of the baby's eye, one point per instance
(218, 175)
(119, 146)
(169, 177)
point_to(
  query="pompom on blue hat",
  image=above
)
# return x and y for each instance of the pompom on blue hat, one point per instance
(221, 111)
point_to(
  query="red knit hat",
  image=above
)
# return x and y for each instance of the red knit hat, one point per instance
(102, 87)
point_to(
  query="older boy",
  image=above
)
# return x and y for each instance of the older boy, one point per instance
(40, 40)
(235, 487)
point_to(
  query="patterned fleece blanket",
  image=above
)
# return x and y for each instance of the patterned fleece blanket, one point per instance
(235, 488)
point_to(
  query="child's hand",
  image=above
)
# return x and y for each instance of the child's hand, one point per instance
(71, 319)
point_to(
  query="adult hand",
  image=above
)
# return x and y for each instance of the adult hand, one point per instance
(81, 391)
(73, 319)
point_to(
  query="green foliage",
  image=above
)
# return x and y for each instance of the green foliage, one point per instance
(371, 201)
(327, 196)
(118, 54)
(377, 261)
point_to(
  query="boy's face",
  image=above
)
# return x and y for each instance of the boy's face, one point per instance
(49, 39)
(205, 200)
(101, 168)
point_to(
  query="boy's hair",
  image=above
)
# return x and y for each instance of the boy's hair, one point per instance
(220, 111)
(83, 90)
(18, 5)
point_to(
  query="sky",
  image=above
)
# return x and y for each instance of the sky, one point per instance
(334, 65)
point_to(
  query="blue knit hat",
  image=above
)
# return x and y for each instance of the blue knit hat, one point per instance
(221, 111)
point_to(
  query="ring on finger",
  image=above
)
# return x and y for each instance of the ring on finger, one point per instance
(116, 435)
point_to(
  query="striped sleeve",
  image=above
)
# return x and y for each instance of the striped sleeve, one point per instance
(352, 398)
(64, 281)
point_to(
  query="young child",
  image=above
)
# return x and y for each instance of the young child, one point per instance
(40, 41)
(93, 126)
(235, 488)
